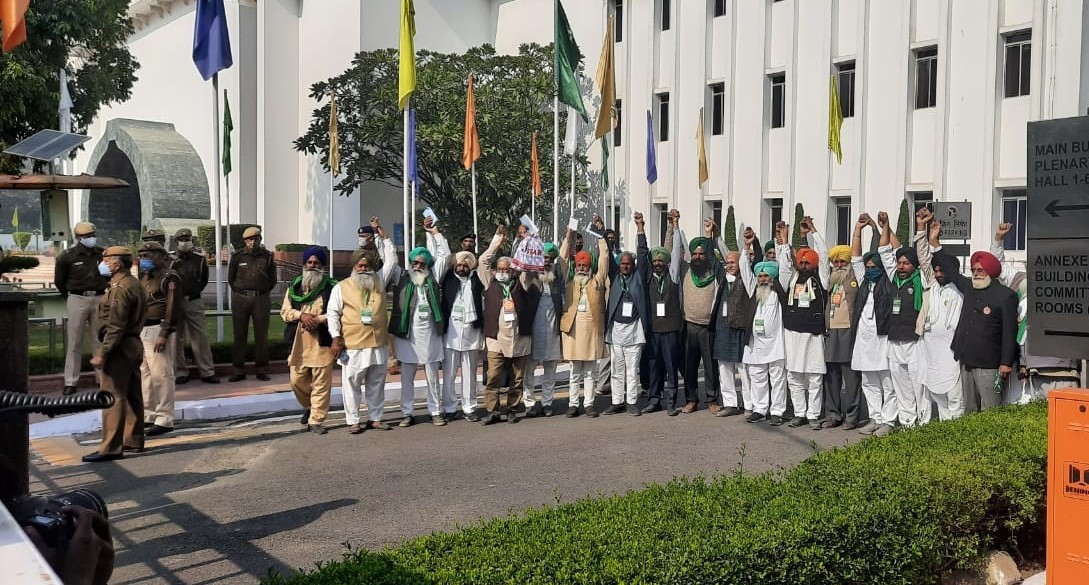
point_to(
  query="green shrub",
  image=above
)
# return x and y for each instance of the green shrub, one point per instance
(16, 263)
(22, 239)
(730, 231)
(902, 509)
(296, 247)
(797, 241)
(903, 224)
(206, 236)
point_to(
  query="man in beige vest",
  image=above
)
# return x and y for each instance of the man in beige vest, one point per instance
(582, 326)
(357, 321)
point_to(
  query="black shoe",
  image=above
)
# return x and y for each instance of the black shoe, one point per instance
(534, 411)
(237, 378)
(796, 422)
(305, 418)
(97, 457)
(181, 380)
(572, 412)
(148, 425)
(317, 429)
(210, 380)
(512, 417)
(755, 418)
(450, 416)
(547, 411)
(69, 390)
(155, 430)
(590, 412)
(632, 410)
(615, 409)
(651, 408)
(263, 377)
(673, 412)
(472, 417)
(728, 411)
(127, 449)
(775, 420)
(493, 417)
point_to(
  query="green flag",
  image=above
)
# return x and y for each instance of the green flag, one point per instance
(567, 61)
(228, 126)
(604, 164)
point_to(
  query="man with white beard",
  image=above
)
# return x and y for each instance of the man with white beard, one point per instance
(547, 288)
(462, 301)
(357, 323)
(416, 323)
(304, 311)
(765, 353)
(941, 374)
(582, 326)
(842, 387)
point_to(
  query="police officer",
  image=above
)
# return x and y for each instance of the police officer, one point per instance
(192, 269)
(251, 275)
(121, 314)
(163, 293)
(77, 279)
(154, 236)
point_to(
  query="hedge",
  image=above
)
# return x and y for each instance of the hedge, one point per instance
(902, 509)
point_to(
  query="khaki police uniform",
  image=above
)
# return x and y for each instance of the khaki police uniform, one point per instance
(77, 279)
(251, 275)
(162, 289)
(192, 269)
(121, 315)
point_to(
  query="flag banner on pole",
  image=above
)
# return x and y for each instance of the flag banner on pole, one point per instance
(228, 127)
(406, 79)
(15, 218)
(13, 23)
(535, 168)
(412, 145)
(652, 157)
(604, 165)
(835, 120)
(570, 137)
(606, 84)
(567, 60)
(334, 137)
(470, 151)
(211, 41)
(64, 108)
(701, 151)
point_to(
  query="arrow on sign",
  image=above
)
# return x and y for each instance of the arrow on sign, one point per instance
(1054, 208)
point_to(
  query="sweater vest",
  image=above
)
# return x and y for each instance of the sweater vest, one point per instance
(356, 334)
(902, 325)
(525, 308)
(672, 321)
(805, 319)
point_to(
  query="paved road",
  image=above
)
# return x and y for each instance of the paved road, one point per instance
(225, 502)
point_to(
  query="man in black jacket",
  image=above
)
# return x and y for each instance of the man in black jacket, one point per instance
(663, 350)
(627, 327)
(78, 281)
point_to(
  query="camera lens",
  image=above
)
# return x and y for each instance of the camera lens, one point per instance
(85, 499)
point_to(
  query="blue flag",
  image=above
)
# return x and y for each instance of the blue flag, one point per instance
(412, 145)
(211, 41)
(652, 158)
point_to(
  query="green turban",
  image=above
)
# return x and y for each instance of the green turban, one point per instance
(550, 249)
(769, 246)
(768, 267)
(868, 256)
(660, 252)
(700, 242)
(421, 252)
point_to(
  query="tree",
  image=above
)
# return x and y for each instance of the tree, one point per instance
(22, 239)
(513, 98)
(903, 224)
(85, 37)
(796, 235)
(730, 231)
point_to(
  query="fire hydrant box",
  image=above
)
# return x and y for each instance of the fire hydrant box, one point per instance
(1068, 487)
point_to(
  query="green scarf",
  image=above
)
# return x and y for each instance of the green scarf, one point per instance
(432, 301)
(704, 281)
(916, 282)
(310, 296)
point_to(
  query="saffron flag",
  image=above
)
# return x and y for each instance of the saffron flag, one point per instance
(412, 145)
(13, 23)
(470, 151)
(652, 157)
(228, 127)
(406, 80)
(606, 84)
(835, 120)
(211, 41)
(566, 63)
(334, 137)
(701, 152)
(535, 168)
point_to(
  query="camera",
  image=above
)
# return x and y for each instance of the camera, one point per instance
(44, 514)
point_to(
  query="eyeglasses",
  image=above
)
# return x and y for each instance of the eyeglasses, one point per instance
(978, 271)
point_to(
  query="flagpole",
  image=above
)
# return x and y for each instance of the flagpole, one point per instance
(412, 214)
(572, 197)
(556, 165)
(218, 203)
(404, 181)
(614, 180)
(476, 227)
(332, 181)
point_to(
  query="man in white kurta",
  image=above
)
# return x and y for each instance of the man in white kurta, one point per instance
(869, 357)
(765, 354)
(940, 370)
(547, 349)
(462, 295)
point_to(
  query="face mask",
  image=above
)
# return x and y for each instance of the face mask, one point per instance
(104, 270)
(89, 242)
(146, 264)
(185, 247)
(502, 276)
(363, 242)
(872, 274)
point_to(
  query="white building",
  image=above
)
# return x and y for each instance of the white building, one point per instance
(935, 95)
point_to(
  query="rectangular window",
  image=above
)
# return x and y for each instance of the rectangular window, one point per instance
(1018, 63)
(846, 73)
(778, 100)
(926, 78)
(663, 117)
(775, 214)
(844, 221)
(714, 211)
(663, 223)
(1015, 211)
(619, 123)
(616, 221)
(718, 108)
(618, 10)
(720, 8)
(665, 14)
(919, 200)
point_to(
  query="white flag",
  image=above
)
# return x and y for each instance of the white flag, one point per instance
(65, 106)
(571, 137)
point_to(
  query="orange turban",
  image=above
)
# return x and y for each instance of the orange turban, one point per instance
(809, 255)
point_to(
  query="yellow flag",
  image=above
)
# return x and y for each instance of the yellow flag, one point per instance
(407, 78)
(334, 138)
(15, 218)
(835, 120)
(470, 150)
(701, 152)
(606, 84)
(535, 168)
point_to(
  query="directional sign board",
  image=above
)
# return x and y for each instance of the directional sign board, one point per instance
(956, 218)
(1058, 238)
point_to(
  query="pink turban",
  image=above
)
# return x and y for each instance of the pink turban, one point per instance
(988, 262)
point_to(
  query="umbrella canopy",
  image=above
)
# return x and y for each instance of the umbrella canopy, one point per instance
(43, 182)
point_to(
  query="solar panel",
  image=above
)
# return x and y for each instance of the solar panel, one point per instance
(47, 145)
